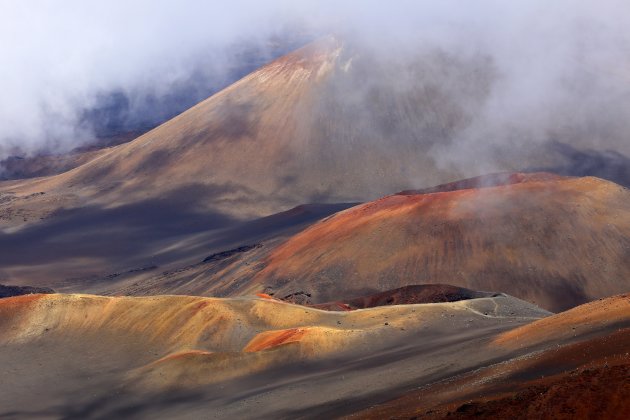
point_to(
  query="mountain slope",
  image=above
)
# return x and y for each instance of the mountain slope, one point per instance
(326, 123)
(576, 366)
(301, 129)
(92, 356)
(295, 131)
(558, 242)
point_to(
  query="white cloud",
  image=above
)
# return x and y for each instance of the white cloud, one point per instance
(57, 57)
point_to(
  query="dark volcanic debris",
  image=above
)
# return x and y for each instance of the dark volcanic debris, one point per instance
(8, 291)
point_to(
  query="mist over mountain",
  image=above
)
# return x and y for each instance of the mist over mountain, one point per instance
(555, 72)
(141, 108)
(122, 67)
(314, 209)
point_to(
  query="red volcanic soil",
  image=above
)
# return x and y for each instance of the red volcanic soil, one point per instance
(181, 355)
(426, 293)
(584, 319)
(583, 373)
(271, 339)
(18, 302)
(590, 391)
(556, 242)
(594, 383)
(599, 393)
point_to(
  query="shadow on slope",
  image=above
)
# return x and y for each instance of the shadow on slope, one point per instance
(606, 164)
(75, 249)
(112, 233)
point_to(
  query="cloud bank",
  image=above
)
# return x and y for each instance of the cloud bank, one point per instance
(561, 69)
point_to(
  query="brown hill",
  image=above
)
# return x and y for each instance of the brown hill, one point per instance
(327, 123)
(92, 356)
(558, 242)
(576, 366)
(282, 136)
(301, 129)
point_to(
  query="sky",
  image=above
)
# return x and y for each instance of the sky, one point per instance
(566, 60)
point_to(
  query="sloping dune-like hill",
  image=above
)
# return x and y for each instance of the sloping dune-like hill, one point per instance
(554, 241)
(576, 366)
(87, 355)
(558, 242)
(90, 356)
